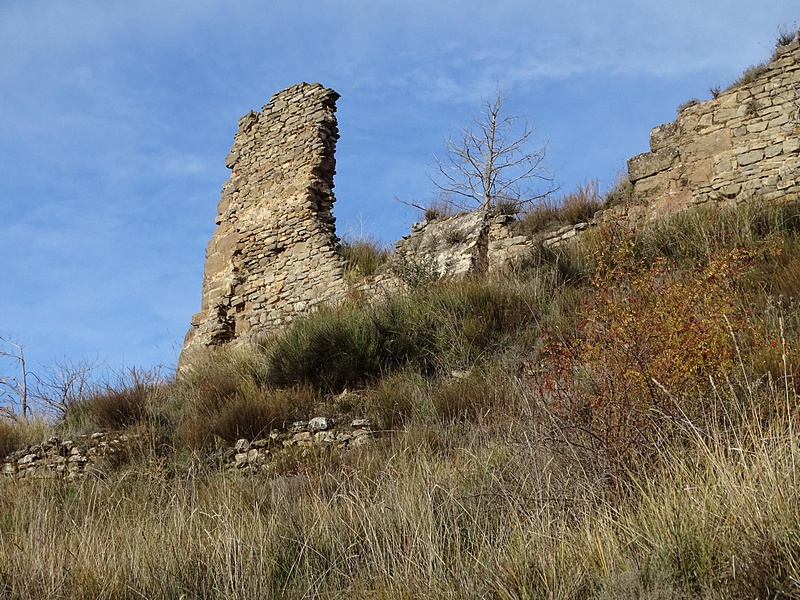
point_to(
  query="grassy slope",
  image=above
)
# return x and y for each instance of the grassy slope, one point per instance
(623, 424)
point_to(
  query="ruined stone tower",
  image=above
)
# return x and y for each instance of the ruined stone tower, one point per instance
(274, 254)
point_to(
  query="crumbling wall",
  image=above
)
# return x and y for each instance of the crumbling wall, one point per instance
(274, 254)
(743, 144)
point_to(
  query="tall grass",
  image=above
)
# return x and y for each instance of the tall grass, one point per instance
(429, 513)
(574, 207)
(363, 256)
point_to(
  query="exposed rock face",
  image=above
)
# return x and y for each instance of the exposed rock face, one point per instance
(274, 254)
(743, 144)
(455, 246)
(472, 243)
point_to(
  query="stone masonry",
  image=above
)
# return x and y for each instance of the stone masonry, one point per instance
(743, 144)
(274, 254)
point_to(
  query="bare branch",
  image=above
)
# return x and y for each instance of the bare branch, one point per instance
(64, 384)
(494, 161)
(15, 388)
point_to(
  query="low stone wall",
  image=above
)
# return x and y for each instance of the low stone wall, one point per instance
(95, 454)
(68, 459)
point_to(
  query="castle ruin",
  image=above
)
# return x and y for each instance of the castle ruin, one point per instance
(275, 253)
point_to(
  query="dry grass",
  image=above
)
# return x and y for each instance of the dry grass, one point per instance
(435, 513)
(576, 207)
(363, 256)
(15, 435)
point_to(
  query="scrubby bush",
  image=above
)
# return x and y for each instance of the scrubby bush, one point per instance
(572, 208)
(250, 414)
(363, 256)
(750, 74)
(454, 323)
(330, 349)
(417, 272)
(118, 404)
(660, 328)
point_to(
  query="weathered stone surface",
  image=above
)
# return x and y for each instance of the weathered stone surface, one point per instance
(319, 424)
(275, 218)
(470, 243)
(453, 246)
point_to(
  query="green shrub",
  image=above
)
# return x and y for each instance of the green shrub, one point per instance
(417, 272)
(454, 323)
(330, 349)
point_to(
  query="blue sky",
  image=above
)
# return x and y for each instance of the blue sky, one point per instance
(117, 116)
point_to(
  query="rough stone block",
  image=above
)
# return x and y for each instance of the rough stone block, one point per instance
(650, 163)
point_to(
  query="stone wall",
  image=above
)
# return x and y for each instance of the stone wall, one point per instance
(96, 454)
(743, 144)
(274, 254)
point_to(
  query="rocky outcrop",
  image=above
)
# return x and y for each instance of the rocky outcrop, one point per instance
(472, 243)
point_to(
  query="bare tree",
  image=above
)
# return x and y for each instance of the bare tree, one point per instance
(64, 384)
(494, 162)
(14, 388)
